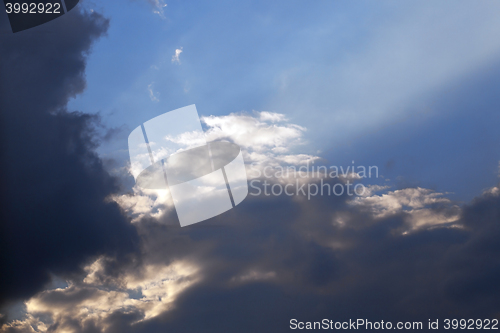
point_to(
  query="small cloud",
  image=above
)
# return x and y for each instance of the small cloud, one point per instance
(423, 207)
(175, 57)
(272, 116)
(152, 94)
(158, 6)
(254, 276)
(188, 139)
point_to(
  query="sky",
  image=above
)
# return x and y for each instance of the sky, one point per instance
(339, 69)
(409, 88)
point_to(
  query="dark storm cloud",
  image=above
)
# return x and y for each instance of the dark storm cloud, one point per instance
(365, 268)
(53, 185)
(374, 272)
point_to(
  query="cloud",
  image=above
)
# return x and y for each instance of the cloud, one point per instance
(54, 187)
(249, 263)
(187, 139)
(144, 203)
(420, 204)
(262, 139)
(254, 276)
(271, 116)
(264, 143)
(158, 7)
(175, 57)
(145, 295)
(145, 292)
(153, 95)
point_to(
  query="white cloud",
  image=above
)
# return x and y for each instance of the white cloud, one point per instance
(271, 116)
(415, 202)
(257, 133)
(494, 191)
(263, 142)
(188, 139)
(175, 57)
(269, 139)
(145, 202)
(158, 286)
(372, 189)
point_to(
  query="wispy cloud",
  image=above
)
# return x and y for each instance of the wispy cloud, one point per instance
(153, 95)
(158, 7)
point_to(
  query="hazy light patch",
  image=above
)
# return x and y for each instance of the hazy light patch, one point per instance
(254, 275)
(401, 60)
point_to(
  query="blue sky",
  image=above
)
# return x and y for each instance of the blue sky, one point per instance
(370, 81)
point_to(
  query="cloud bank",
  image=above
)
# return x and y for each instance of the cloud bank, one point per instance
(54, 210)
